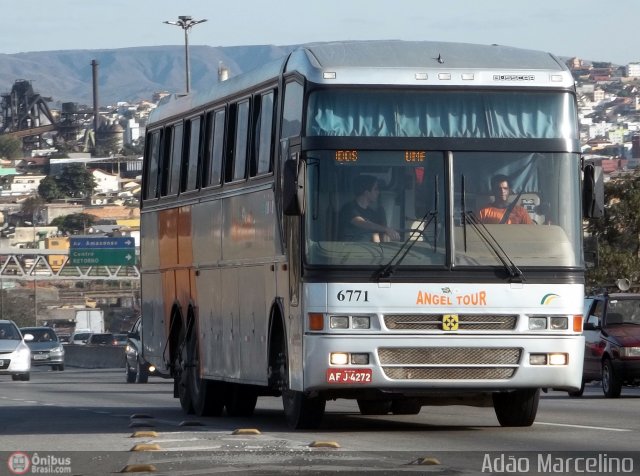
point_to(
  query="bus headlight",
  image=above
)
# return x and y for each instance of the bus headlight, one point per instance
(339, 322)
(360, 322)
(558, 323)
(339, 358)
(537, 323)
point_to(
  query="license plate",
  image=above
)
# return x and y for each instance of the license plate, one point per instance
(40, 357)
(349, 376)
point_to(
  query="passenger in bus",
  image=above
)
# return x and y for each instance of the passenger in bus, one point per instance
(501, 210)
(363, 219)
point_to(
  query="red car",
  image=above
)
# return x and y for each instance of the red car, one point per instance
(612, 339)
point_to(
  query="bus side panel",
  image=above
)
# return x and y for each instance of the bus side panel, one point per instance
(168, 238)
(231, 342)
(149, 246)
(210, 320)
(253, 319)
(154, 332)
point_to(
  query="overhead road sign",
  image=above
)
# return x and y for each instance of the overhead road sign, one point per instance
(102, 242)
(102, 251)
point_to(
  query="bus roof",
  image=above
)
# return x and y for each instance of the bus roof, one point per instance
(391, 62)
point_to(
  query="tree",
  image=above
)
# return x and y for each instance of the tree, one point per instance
(74, 223)
(49, 189)
(10, 147)
(31, 208)
(618, 233)
(76, 181)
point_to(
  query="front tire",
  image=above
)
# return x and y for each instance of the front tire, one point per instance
(301, 410)
(579, 392)
(516, 408)
(130, 373)
(141, 372)
(406, 407)
(611, 384)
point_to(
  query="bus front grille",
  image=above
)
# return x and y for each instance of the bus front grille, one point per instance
(458, 373)
(466, 322)
(441, 363)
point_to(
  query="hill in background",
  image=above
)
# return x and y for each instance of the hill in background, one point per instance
(127, 74)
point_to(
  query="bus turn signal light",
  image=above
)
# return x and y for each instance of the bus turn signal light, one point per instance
(316, 321)
(577, 323)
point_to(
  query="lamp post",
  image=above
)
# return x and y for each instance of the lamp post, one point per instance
(186, 23)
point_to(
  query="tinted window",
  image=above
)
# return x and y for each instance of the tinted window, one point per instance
(242, 132)
(264, 131)
(292, 113)
(176, 159)
(216, 147)
(190, 171)
(152, 163)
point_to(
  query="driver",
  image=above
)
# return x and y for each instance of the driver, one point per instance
(495, 213)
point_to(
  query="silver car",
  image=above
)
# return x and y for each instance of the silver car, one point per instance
(15, 356)
(46, 348)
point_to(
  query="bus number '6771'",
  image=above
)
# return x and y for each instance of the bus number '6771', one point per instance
(352, 295)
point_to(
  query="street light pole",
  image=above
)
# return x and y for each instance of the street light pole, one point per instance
(186, 23)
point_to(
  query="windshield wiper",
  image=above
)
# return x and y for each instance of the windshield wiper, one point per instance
(468, 216)
(515, 273)
(388, 269)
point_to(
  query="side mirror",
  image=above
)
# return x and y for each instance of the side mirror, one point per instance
(28, 337)
(591, 324)
(592, 191)
(295, 174)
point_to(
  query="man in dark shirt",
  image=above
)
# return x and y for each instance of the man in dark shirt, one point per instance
(361, 219)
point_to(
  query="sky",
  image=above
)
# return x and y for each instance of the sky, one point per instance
(596, 30)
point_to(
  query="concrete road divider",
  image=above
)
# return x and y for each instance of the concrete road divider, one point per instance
(94, 356)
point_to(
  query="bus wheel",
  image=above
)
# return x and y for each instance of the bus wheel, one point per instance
(579, 392)
(517, 408)
(374, 407)
(240, 400)
(181, 373)
(300, 410)
(408, 406)
(611, 384)
(207, 396)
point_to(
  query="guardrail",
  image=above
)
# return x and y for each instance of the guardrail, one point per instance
(94, 356)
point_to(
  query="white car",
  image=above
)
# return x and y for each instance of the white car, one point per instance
(15, 355)
(80, 336)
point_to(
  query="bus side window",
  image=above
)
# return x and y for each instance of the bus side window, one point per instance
(263, 134)
(171, 167)
(191, 157)
(292, 112)
(212, 167)
(237, 168)
(152, 159)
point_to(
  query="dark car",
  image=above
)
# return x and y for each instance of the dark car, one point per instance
(46, 348)
(612, 338)
(137, 369)
(104, 338)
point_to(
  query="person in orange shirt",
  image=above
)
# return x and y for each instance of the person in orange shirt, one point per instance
(495, 213)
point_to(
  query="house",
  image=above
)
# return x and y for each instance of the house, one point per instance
(105, 182)
(22, 184)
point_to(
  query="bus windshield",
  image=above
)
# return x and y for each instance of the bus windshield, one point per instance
(369, 208)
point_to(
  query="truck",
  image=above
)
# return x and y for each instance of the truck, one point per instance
(67, 320)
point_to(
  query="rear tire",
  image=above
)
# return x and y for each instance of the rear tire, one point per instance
(611, 384)
(207, 396)
(181, 373)
(374, 407)
(60, 367)
(516, 408)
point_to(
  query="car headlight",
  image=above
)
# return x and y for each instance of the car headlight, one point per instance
(57, 350)
(23, 353)
(629, 351)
